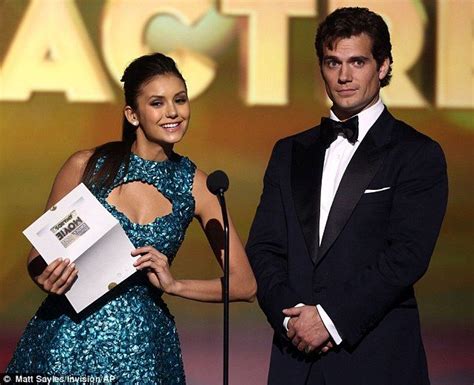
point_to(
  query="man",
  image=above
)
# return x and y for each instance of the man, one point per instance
(347, 222)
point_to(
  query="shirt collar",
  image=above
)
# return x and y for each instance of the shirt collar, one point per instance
(367, 117)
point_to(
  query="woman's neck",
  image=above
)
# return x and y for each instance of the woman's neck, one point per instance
(153, 151)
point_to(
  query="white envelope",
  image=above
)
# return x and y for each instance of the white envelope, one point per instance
(78, 227)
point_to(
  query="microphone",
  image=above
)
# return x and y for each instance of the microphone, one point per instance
(217, 182)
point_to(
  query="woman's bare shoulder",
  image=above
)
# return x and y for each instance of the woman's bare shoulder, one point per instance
(79, 159)
(70, 174)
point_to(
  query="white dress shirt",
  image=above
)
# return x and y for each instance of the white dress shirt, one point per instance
(336, 159)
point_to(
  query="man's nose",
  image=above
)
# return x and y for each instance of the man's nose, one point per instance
(345, 74)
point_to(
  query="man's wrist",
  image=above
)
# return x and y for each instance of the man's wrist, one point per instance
(330, 327)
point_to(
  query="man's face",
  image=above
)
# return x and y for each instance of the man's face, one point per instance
(351, 76)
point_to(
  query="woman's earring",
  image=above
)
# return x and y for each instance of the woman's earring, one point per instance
(135, 123)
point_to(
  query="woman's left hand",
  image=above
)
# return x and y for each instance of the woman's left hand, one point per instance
(157, 268)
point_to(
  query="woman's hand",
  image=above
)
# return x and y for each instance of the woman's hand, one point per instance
(157, 268)
(58, 276)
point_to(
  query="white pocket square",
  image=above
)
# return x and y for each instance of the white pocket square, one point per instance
(369, 191)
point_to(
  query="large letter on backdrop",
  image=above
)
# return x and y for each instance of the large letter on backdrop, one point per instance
(455, 54)
(265, 44)
(123, 32)
(52, 52)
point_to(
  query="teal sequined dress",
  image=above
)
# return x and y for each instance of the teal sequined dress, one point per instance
(129, 334)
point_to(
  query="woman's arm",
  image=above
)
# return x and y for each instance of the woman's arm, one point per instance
(242, 281)
(58, 276)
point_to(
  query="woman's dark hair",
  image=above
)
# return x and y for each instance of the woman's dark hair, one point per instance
(353, 21)
(137, 74)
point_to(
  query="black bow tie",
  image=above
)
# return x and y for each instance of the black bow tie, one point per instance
(330, 129)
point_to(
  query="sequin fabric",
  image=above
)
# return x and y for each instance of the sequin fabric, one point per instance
(128, 336)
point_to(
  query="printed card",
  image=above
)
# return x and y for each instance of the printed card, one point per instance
(78, 227)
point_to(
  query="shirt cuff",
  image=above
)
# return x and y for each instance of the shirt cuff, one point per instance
(331, 328)
(287, 319)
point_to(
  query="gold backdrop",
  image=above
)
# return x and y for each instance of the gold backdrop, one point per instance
(253, 78)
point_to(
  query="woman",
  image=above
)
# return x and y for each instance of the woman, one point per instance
(154, 193)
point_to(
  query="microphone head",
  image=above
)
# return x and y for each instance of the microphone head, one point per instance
(217, 182)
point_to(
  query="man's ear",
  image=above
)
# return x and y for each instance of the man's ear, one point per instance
(131, 116)
(383, 70)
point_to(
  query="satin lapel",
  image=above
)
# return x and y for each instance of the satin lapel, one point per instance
(360, 171)
(306, 171)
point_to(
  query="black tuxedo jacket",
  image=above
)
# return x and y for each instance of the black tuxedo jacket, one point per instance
(375, 246)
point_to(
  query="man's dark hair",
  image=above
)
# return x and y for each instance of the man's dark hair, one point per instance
(353, 21)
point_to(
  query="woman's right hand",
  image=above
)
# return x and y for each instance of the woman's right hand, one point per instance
(58, 276)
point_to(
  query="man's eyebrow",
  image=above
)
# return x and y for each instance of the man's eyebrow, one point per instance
(359, 58)
(331, 57)
(351, 59)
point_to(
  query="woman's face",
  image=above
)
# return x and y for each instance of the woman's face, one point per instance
(163, 110)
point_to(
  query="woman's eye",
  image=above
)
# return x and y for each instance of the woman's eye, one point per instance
(156, 103)
(181, 100)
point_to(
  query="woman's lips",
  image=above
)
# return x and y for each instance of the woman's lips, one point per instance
(171, 127)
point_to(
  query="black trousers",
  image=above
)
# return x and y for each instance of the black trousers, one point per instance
(315, 375)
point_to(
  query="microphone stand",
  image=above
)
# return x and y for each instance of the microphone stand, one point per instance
(220, 197)
(218, 183)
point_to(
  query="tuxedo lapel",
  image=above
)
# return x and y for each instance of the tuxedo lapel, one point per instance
(306, 172)
(360, 171)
